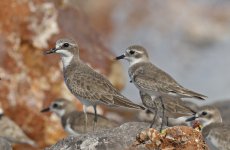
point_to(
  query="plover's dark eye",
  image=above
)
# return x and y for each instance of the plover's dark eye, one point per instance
(204, 113)
(131, 52)
(66, 45)
(55, 105)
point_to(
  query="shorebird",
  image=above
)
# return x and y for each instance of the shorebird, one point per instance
(215, 132)
(174, 107)
(73, 121)
(151, 80)
(90, 87)
(10, 131)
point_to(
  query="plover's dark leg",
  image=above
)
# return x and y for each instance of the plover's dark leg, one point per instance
(155, 116)
(167, 121)
(163, 113)
(95, 117)
(86, 118)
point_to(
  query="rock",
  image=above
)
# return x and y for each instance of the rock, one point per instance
(117, 138)
(134, 135)
(4, 144)
(178, 137)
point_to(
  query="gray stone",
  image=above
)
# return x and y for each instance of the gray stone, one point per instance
(118, 138)
(4, 144)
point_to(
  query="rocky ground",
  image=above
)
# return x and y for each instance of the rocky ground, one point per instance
(134, 135)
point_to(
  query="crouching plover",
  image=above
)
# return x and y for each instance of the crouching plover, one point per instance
(90, 87)
(10, 131)
(73, 121)
(215, 132)
(174, 107)
(151, 80)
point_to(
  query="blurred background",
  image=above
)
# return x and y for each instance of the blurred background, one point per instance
(189, 39)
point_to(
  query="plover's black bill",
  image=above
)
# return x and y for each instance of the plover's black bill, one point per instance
(53, 50)
(45, 110)
(120, 57)
(191, 119)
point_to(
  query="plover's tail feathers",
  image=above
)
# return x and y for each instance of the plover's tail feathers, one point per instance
(122, 101)
(187, 93)
(190, 93)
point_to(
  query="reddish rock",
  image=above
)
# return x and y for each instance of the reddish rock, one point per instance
(31, 80)
(178, 137)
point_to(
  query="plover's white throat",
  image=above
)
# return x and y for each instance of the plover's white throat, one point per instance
(10, 131)
(216, 132)
(90, 87)
(73, 121)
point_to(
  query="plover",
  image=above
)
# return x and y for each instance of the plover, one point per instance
(4, 144)
(215, 132)
(10, 131)
(150, 79)
(174, 107)
(90, 87)
(73, 121)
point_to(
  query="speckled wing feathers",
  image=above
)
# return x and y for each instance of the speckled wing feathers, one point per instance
(90, 85)
(151, 78)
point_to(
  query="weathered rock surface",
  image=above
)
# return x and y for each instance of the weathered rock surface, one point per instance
(134, 135)
(117, 138)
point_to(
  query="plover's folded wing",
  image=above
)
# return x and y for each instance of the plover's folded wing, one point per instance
(93, 86)
(161, 84)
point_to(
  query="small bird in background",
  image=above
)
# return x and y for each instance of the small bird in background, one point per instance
(174, 107)
(90, 87)
(10, 131)
(151, 80)
(216, 133)
(73, 121)
(4, 144)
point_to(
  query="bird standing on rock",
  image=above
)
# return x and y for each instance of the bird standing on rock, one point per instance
(90, 87)
(73, 121)
(216, 133)
(151, 80)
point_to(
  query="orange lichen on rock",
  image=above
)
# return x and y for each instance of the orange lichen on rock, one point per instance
(178, 137)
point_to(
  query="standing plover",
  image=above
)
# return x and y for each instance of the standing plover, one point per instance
(151, 80)
(216, 132)
(73, 121)
(174, 107)
(90, 87)
(10, 131)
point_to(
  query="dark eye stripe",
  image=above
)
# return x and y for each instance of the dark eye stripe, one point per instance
(55, 105)
(65, 45)
(204, 113)
(132, 52)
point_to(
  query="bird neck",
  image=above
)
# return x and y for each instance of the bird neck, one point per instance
(67, 59)
(137, 61)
